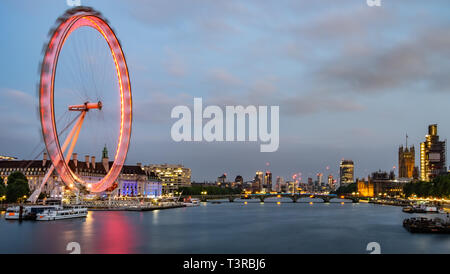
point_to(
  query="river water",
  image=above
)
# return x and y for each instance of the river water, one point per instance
(228, 228)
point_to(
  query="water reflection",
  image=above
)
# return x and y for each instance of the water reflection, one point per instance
(116, 234)
(237, 227)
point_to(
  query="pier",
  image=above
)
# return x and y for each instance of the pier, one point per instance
(128, 205)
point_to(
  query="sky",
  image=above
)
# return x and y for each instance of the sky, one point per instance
(350, 80)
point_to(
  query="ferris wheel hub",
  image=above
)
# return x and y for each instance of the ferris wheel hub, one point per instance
(86, 106)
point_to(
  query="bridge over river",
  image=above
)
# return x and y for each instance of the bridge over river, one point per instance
(293, 196)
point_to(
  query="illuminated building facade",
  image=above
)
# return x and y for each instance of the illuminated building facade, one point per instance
(406, 161)
(279, 184)
(346, 172)
(6, 158)
(432, 155)
(135, 182)
(331, 182)
(268, 181)
(132, 181)
(381, 184)
(258, 181)
(319, 179)
(171, 176)
(292, 186)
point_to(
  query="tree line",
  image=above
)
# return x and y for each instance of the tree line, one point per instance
(347, 189)
(16, 190)
(439, 187)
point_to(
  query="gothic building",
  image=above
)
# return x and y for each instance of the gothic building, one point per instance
(406, 161)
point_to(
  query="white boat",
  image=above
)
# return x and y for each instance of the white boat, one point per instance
(431, 209)
(12, 213)
(62, 213)
(28, 212)
(192, 202)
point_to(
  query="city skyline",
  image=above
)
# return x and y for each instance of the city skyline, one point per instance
(351, 115)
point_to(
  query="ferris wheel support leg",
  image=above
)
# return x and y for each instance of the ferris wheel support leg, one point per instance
(33, 198)
(75, 138)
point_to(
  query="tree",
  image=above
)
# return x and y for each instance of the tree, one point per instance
(438, 187)
(347, 189)
(17, 188)
(2, 187)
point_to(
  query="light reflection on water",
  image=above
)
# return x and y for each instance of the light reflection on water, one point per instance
(237, 227)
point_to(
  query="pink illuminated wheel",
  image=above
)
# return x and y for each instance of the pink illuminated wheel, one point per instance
(71, 21)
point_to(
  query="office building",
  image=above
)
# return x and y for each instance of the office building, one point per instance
(346, 172)
(432, 155)
(172, 176)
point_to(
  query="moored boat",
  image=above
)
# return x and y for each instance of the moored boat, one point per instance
(426, 225)
(62, 213)
(408, 209)
(12, 213)
(26, 212)
(191, 202)
(421, 209)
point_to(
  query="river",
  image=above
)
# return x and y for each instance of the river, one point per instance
(228, 228)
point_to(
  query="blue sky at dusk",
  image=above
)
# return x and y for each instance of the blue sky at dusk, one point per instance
(351, 80)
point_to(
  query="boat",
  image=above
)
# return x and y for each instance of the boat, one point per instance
(421, 209)
(426, 225)
(408, 209)
(191, 202)
(12, 213)
(62, 213)
(29, 212)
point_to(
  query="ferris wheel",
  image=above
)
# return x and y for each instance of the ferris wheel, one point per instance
(73, 89)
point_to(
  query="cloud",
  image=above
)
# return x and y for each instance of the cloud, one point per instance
(315, 103)
(157, 107)
(175, 64)
(414, 64)
(19, 97)
(221, 76)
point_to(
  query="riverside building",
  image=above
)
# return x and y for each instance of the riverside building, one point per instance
(406, 161)
(172, 176)
(432, 155)
(346, 172)
(133, 181)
